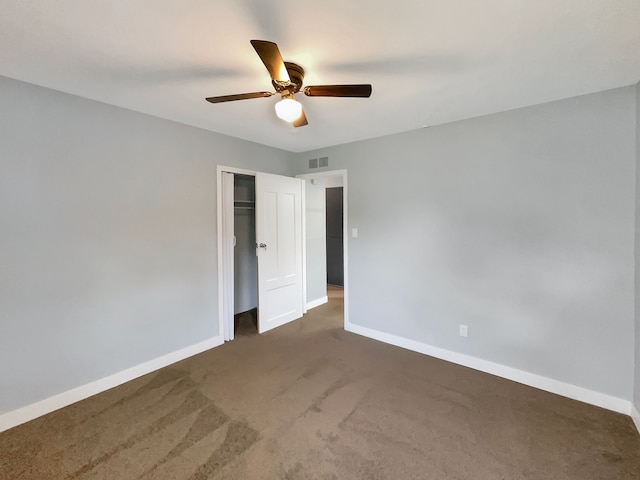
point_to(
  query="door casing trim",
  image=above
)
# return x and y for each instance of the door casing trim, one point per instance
(221, 284)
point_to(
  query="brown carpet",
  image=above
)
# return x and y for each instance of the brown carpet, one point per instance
(311, 401)
(246, 323)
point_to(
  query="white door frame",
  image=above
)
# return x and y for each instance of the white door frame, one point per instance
(227, 246)
(345, 238)
(222, 291)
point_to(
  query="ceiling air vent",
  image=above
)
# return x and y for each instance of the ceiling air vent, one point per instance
(323, 162)
(313, 163)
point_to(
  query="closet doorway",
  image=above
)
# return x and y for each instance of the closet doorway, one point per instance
(260, 251)
(245, 261)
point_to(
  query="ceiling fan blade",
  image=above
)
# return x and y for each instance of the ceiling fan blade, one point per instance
(361, 90)
(240, 96)
(301, 121)
(270, 56)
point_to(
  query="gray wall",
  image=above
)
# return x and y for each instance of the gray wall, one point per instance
(637, 259)
(518, 224)
(107, 238)
(315, 241)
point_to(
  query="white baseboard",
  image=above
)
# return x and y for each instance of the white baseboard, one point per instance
(635, 416)
(24, 414)
(317, 302)
(544, 383)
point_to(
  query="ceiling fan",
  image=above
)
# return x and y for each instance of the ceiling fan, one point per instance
(286, 78)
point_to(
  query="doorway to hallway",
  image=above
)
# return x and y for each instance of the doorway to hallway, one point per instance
(326, 243)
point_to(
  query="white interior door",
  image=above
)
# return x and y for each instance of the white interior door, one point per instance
(279, 249)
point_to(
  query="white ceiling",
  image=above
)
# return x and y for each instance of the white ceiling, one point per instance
(429, 61)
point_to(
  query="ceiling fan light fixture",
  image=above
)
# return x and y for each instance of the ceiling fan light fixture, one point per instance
(287, 79)
(288, 109)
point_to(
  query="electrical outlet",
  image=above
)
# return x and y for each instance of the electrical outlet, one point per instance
(464, 331)
(354, 232)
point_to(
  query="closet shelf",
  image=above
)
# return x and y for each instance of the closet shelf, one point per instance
(244, 204)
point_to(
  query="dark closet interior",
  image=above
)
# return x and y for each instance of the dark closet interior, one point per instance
(244, 255)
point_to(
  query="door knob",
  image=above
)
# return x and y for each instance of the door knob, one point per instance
(263, 245)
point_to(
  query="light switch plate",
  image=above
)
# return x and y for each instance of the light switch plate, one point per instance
(354, 232)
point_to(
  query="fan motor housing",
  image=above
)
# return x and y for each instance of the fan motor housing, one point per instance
(296, 74)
